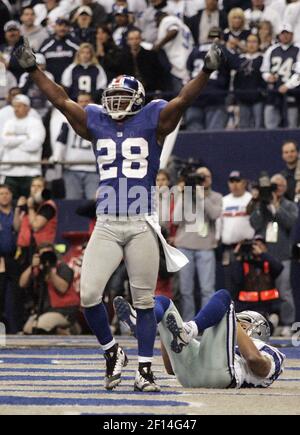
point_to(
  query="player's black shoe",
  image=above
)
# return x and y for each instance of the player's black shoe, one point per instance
(114, 364)
(145, 381)
(125, 313)
(180, 335)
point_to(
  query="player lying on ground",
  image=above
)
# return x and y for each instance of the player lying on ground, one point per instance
(127, 139)
(232, 353)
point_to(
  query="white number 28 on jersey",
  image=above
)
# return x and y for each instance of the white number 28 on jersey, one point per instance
(106, 161)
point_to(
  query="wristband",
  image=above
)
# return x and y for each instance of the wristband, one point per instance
(207, 70)
(31, 68)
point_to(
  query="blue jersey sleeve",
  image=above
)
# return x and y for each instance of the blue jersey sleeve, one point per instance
(152, 111)
(95, 117)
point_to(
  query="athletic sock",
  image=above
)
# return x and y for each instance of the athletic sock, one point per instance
(97, 320)
(162, 303)
(146, 327)
(191, 329)
(214, 311)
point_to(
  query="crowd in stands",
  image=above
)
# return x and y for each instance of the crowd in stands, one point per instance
(163, 44)
(82, 45)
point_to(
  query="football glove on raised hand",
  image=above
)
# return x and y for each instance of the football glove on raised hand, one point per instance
(25, 56)
(214, 57)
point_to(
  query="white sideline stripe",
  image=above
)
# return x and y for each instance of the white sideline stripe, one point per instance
(241, 393)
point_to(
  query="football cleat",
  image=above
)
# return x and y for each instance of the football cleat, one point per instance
(125, 313)
(115, 362)
(124, 96)
(145, 381)
(182, 333)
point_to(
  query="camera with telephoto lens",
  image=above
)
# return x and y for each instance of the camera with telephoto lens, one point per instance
(266, 188)
(48, 259)
(246, 251)
(193, 179)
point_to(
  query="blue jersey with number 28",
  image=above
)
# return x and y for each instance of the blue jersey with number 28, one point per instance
(128, 157)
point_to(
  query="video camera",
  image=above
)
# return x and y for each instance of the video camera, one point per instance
(193, 179)
(265, 188)
(186, 168)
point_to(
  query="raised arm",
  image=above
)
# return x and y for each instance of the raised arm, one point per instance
(55, 93)
(174, 110)
(259, 365)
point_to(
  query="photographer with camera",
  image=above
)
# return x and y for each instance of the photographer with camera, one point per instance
(198, 246)
(255, 273)
(53, 299)
(274, 217)
(35, 219)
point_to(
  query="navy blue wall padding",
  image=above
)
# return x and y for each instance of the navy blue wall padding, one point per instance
(248, 151)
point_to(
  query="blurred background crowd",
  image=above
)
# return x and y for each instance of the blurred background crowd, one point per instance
(248, 242)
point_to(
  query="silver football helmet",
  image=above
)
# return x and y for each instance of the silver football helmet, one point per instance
(258, 328)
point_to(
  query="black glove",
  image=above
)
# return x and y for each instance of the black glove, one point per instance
(25, 56)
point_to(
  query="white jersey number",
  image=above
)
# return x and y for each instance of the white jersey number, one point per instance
(282, 68)
(105, 161)
(85, 83)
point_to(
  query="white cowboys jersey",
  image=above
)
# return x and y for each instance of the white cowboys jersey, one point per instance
(73, 148)
(246, 379)
(179, 49)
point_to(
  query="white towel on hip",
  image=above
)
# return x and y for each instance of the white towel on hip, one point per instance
(175, 259)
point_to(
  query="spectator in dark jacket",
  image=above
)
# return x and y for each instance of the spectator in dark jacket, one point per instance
(121, 25)
(142, 64)
(249, 85)
(108, 53)
(209, 111)
(207, 18)
(99, 13)
(290, 155)
(83, 29)
(59, 49)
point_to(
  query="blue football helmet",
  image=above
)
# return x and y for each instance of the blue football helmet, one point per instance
(257, 325)
(124, 96)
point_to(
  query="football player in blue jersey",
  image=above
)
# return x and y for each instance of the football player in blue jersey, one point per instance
(127, 138)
